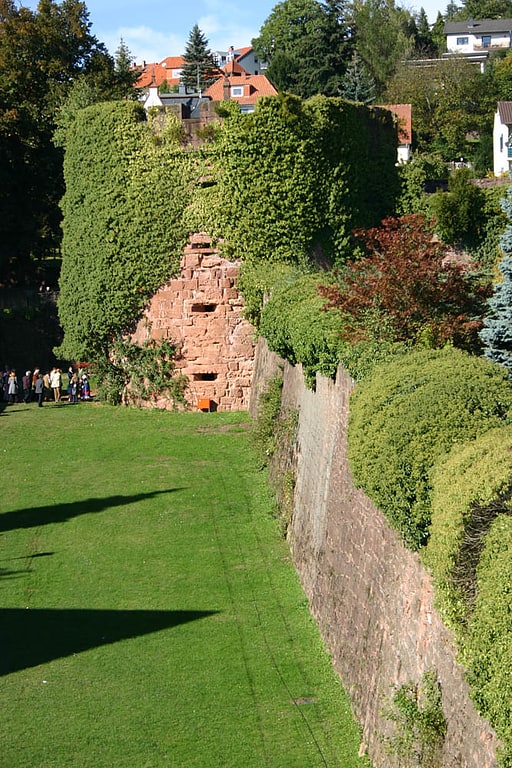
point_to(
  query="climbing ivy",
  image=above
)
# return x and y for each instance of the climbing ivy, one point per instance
(297, 176)
(123, 232)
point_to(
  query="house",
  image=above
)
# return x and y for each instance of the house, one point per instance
(501, 138)
(239, 85)
(476, 39)
(166, 71)
(403, 116)
(247, 57)
(169, 69)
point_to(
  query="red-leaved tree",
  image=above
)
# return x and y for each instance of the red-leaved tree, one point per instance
(406, 289)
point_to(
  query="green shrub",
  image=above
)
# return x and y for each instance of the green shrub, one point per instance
(489, 642)
(470, 487)
(297, 329)
(408, 413)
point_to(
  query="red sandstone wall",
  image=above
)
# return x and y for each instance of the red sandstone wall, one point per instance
(201, 311)
(371, 598)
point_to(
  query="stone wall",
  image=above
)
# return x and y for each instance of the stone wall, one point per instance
(201, 311)
(371, 597)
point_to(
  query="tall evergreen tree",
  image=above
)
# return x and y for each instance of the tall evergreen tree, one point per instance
(199, 70)
(497, 331)
(358, 84)
(425, 47)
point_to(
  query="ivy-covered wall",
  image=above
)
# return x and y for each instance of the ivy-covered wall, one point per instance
(127, 185)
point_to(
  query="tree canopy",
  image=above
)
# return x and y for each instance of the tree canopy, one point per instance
(42, 53)
(307, 45)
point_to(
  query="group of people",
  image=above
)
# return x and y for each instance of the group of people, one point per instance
(38, 386)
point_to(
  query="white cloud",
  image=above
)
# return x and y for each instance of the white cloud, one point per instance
(145, 43)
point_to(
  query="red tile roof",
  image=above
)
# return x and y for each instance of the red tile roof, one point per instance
(254, 86)
(156, 73)
(403, 112)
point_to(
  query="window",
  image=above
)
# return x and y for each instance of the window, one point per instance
(486, 41)
(501, 143)
(203, 307)
(462, 40)
(237, 90)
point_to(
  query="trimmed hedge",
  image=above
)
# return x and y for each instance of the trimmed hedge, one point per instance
(470, 487)
(489, 642)
(407, 414)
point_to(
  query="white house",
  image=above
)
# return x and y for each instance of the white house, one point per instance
(502, 144)
(475, 39)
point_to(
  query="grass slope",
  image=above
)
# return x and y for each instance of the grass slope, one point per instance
(150, 614)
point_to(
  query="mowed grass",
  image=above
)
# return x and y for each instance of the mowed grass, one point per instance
(150, 615)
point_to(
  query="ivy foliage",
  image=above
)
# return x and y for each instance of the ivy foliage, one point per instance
(471, 486)
(406, 415)
(297, 329)
(123, 233)
(134, 373)
(297, 176)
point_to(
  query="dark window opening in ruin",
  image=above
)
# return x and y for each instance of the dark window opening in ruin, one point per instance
(204, 307)
(204, 376)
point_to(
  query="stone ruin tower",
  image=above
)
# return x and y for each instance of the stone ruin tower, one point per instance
(201, 312)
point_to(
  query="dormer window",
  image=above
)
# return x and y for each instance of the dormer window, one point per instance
(237, 90)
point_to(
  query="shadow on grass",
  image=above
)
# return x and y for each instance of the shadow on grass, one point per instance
(60, 513)
(29, 637)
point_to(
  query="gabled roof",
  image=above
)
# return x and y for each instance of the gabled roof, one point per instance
(156, 73)
(505, 112)
(241, 52)
(403, 114)
(234, 68)
(477, 26)
(254, 86)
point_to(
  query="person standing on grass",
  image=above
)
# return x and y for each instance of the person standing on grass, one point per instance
(56, 383)
(39, 389)
(25, 385)
(12, 387)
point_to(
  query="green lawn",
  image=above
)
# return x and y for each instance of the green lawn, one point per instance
(150, 612)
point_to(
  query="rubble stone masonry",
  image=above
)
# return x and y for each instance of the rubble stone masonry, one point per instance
(371, 597)
(201, 311)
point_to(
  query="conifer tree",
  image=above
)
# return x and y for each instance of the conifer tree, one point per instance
(199, 70)
(358, 84)
(497, 331)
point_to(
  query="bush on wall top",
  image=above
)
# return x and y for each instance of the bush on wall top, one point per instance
(408, 413)
(295, 327)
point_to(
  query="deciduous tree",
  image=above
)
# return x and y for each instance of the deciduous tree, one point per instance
(41, 54)
(405, 290)
(308, 45)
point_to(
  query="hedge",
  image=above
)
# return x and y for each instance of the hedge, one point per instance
(407, 414)
(489, 642)
(470, 487)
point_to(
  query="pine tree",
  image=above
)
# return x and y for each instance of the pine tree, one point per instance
(199, 70)
(497, 331)
(358, 84)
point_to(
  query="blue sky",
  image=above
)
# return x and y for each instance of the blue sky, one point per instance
(155, 29)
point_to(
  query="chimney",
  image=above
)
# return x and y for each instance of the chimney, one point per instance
(226, 89)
